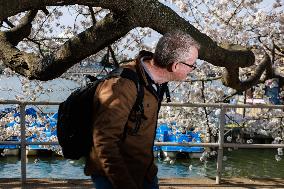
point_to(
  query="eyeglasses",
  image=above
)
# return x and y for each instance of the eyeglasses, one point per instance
(193, 67)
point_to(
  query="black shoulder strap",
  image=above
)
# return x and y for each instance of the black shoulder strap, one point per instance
(132, 75)
(138, 108)
(165, 89)
(125, 73)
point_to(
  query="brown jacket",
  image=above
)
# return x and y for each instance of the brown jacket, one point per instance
(125, 160)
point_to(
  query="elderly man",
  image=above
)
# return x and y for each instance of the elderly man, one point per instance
(120, 158)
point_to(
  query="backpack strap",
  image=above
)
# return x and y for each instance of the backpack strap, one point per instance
(165, 89)
(132, 75)
(138, 108)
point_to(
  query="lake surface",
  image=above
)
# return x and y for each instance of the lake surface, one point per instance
(249, 163)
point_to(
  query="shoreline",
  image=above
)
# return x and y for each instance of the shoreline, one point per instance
(165, 183)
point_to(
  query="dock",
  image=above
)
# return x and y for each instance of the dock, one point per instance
(165, 183)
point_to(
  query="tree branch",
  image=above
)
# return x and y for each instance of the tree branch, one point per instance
(46, 12)
(93, 15)
(151, 14)
(205, 79)
(12, 7)
(15, 59)
(234, 13)
(71, 52)
(155, 15)
(279, 49)
(10, 24)
(204, 101)
(132, 13)
(38, 45)
(116, 64)
(231, 76)
(163, 19)
(226, 98)
(23, 30)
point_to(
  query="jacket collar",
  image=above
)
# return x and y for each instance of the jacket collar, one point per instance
(143, 75)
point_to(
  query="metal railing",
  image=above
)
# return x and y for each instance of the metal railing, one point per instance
(221, 145)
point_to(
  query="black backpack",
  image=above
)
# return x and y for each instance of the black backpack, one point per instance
(74, 125)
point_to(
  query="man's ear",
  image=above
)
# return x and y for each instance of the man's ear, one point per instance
(173, 67)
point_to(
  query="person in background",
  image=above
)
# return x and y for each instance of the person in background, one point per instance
(120, 158)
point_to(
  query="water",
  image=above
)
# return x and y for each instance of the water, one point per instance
(253, 163)
(249, 163)
(59, 89)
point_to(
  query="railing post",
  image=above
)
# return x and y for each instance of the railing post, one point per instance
(221, 143)
(23, 143)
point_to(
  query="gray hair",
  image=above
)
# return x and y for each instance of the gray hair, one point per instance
(173, 47)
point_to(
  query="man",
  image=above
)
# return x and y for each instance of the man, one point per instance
(120, 159)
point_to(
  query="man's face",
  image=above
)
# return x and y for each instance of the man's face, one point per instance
(182, 69)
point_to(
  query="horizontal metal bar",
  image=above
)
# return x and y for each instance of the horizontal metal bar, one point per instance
(28, 143)
(28, 102)
(42, 143)
(185, 144)
(156, 143)
(9, 142)
(233, 145)
(220, 105)
(227, 145)
(212, 105)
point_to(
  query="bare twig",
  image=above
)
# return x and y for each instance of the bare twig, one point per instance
(46, 12)
(279, 49)
(10, 24)
(116, 64)
(47, 16)
(206, 79)
(204, 101)
(93, 15)
(227, 97)
(234, 13)
(38, 44)
(270, 50)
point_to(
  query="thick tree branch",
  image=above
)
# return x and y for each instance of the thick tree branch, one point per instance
(132, 13)
(71, 52)
(231, 76)
(161, 18)
(12, 7)
(15, 59)
(146, 13)
(23, 30)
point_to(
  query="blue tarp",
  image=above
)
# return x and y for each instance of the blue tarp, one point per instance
(164, 133)
(46, 132)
